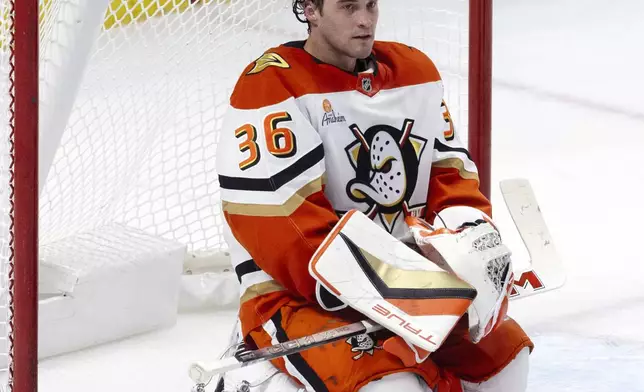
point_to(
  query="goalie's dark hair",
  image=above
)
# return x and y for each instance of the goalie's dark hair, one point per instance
(298, 10)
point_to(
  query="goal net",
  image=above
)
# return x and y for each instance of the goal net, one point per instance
(132, 97)
(136, 127)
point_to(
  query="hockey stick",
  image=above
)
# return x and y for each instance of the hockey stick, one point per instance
(202, 373)
(546, 270)
(525, 212)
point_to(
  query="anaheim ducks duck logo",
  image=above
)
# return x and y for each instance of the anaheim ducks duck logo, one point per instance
(362, 344)
(386, 162)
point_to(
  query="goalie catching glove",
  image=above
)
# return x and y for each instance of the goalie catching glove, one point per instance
(464, 241)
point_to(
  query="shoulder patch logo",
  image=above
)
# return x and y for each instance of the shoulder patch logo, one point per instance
(268, 60)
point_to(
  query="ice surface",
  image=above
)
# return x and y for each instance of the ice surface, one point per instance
(569, 116)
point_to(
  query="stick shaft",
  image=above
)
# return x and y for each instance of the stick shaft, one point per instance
(202, 373)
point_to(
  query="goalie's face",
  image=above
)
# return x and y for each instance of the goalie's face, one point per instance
(347, 27)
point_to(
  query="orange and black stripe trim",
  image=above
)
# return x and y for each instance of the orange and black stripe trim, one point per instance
(278, 180)
(245, 268)
(441, 147)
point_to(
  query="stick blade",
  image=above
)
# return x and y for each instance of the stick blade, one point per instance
(547, 271)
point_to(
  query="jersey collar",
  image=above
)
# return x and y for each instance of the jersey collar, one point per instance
(362, 65)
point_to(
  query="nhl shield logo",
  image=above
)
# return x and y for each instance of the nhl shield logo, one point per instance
(366, 85)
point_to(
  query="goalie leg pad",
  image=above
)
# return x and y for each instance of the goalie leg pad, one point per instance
(407, 382)
(480, 362)
(513, 378)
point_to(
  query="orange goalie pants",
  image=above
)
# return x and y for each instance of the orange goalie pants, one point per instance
(347, 365)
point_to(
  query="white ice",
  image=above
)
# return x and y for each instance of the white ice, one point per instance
(569, 116)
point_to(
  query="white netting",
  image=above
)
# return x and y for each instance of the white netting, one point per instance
(138, 147)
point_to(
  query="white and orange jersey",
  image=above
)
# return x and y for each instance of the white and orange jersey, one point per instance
(305, 142)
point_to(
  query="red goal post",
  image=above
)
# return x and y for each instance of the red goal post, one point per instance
(20, 21)
(22, 320)
(480, 90)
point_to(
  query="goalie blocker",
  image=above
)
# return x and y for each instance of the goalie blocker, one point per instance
(379, 276)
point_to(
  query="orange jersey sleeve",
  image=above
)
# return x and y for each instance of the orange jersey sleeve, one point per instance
(271, 169)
